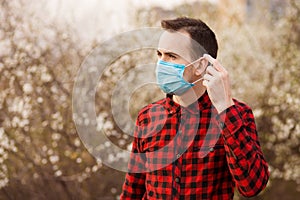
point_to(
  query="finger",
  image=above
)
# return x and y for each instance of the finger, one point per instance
(212, 71)
(214, 62)
(207, 77)
(205, 83)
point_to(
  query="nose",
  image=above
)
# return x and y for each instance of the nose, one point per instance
(163, 57)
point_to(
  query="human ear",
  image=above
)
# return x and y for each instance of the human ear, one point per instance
(203, 63)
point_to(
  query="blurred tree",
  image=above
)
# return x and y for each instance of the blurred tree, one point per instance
(280, 104)
(41, 155)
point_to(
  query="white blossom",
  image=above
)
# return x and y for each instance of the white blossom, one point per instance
(27, 88)
(54, 159)
(77, 142)
(45, 77)
(58, 173)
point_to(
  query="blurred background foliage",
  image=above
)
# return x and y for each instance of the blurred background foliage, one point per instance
(41, 155)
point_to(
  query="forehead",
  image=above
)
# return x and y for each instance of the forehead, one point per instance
(177, 42)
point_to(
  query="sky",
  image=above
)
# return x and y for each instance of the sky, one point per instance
(94, 17)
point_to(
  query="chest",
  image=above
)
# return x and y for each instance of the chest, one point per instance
(182, 132)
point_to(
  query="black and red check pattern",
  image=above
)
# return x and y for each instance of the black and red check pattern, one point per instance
(195, 153)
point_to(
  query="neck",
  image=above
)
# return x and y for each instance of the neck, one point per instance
(191, 95)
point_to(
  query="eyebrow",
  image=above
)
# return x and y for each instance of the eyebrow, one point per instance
(169, 53)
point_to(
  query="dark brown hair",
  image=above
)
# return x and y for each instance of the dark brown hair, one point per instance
(197, 30)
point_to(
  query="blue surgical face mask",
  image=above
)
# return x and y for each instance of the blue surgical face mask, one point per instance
(169, 77)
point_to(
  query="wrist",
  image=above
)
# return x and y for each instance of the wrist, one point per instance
(223, 107)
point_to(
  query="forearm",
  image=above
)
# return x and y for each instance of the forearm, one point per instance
(244, 156)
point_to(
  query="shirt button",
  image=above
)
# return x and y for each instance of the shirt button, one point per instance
(178, 155)
(177, 179)
(171, 112)
(211, 149)
(222, 125)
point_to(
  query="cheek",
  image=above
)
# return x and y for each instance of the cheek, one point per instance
(188, 74)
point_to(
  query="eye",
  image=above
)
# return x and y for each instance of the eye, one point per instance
(158, 54)
(172, 56)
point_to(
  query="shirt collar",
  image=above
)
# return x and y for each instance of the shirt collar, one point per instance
(173, 107)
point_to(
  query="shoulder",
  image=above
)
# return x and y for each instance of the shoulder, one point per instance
(242, 107)
(152, 109)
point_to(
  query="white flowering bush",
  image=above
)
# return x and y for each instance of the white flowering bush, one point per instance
(280, 104)
(41, 155)
(5, 145)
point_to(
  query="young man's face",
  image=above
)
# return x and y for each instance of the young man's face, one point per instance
(175, 47)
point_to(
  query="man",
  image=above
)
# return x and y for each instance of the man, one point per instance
(198, 142)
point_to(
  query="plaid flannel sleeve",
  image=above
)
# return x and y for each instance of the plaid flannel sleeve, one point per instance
(134, 185)
(243, 153)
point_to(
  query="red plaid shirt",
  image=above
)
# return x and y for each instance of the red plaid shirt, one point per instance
(194, 152)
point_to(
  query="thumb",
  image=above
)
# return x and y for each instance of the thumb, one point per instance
(205, 83)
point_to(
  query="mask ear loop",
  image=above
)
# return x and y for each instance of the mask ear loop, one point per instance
(193, 62)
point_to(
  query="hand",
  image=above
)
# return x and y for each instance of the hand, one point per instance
(216, 81)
